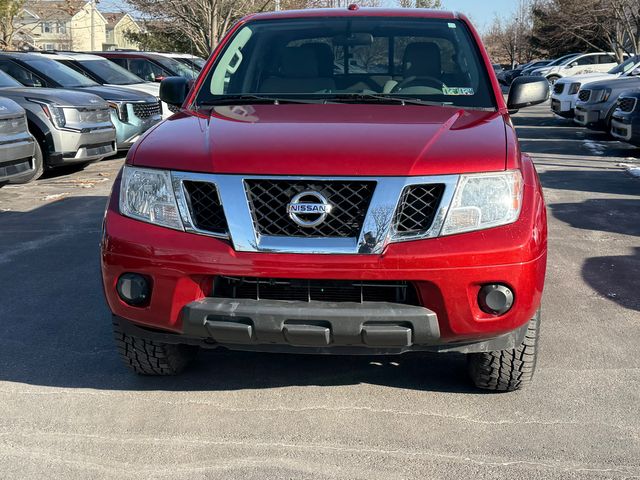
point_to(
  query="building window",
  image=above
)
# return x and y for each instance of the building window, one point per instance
(49, 46)
(47, 27)
(62, 27)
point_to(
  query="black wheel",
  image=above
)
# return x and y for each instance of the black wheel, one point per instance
(36, 173)
(507, 370)
(553, 79)
(147, 357)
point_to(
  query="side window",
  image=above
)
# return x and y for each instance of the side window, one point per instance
(21, 74)
(146, 70)
(606, 59)
(588, 60)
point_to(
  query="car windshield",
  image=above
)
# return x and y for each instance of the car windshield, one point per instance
(108, 72)
(64, 76)
(625, 66)
(355, 59)
(562, 60)
(7, 81)
(177, 67)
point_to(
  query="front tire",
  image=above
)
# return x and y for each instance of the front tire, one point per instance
(553, 79)
(147, 357)
(507, 370)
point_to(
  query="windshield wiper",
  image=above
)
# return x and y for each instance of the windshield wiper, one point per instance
(381, 98)
(254, 99)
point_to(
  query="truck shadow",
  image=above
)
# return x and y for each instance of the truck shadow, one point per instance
(55, 328)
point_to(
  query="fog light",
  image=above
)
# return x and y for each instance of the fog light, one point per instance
(495, 299)
(134, 289)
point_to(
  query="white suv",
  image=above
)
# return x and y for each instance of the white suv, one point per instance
(585, 63)
(565, 91)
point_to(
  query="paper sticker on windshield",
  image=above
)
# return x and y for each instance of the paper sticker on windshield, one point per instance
(452, 25)
(458, 91)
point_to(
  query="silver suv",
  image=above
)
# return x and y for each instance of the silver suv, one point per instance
(17, 146)
(132, 113)
(70, 127)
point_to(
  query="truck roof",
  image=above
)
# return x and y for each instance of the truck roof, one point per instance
(358, 12)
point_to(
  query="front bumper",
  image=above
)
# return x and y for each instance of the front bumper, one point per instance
(128, 132)
(626, 128)
(72, 146)
(563, 106)
(16, 158)
(447, 272)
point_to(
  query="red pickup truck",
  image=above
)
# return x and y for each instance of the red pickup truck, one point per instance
(343, 181)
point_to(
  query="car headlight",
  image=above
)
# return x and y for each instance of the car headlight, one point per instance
(147, 195)
(600, 95)
(483, 201)
(54, 112)
(121, 109)
(574, 88)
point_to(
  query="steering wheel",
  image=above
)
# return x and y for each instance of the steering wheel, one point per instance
(439, 84)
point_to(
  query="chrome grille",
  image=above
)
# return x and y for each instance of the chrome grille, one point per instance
(584, 95)
(627, 104)
(268, 200)
(205, 207)
(146, 110)
(558, 88)
(417, 208)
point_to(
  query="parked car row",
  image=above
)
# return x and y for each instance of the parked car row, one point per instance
(568, 65)
(604, 102)
(70, 108)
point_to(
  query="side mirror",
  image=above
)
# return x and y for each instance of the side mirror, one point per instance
(527, 91)
(174, 90)
(572, 64)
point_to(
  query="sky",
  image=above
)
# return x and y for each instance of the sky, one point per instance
(481, 12)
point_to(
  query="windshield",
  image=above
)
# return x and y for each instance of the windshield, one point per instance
(625, 66)
(61, 74)
(177, 67)
(432, 60)
(7, 81)
(563, 60)
(108, 72)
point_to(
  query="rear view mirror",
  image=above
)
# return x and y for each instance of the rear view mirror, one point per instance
(527, 91)
(353, 40)
(174, 90)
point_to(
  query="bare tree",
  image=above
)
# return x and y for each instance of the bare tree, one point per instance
(420, 3)
(9, 9)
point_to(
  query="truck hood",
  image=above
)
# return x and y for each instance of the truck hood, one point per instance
(118, 94)
(587, 78)
(617, 84)
(10, 109)
(58, 96)
(331, 139)
(146, 87)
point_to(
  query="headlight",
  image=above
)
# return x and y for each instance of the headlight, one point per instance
(574, 88)
(53, 111)
(147, 195)
(121, 109)
(600, 95)
(484, 201)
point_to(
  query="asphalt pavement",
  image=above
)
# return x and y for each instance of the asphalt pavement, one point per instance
(69, 409)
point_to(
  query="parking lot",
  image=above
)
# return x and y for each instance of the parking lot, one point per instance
(70, 409)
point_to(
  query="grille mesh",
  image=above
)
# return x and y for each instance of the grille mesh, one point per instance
(205, 207)
(558, 88)
(268, 200)
(584, 95)
(627, 104)
(417, 208)
(302, 290)
(146, 110)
